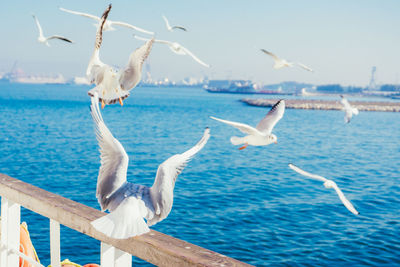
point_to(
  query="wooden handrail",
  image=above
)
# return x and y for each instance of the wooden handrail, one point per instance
(153, 247)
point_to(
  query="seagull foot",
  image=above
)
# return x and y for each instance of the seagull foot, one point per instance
(243, 147)
(120, 101)
(103, 104)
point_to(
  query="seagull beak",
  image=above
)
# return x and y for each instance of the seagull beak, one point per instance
(120, 102)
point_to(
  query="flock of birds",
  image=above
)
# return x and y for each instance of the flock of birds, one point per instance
(133, 208)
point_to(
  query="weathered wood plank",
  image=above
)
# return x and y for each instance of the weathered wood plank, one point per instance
(154, 247)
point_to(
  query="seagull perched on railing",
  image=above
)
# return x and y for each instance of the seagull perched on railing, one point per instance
(45, 40)
(112, 85)
(109, 23)
(328, 184)
(170, 28)
(130, 203)
(261, 135)
(176, 48)
(348, 109)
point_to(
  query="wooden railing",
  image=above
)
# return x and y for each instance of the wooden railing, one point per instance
(153, 247)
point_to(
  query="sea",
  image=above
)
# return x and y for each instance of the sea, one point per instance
(246, 204)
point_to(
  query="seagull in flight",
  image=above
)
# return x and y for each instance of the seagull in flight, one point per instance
(328, 184)
(45, 40)
(278, 62)
(261, 135)
(131, 204)
(113, 85)
(109, 23)
(169, 28)
(281, 63)
(349, 110)
(176, 48)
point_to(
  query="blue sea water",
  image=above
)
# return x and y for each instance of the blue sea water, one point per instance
(245, 204)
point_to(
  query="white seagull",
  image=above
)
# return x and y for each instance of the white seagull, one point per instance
(45, 40)
(261, 135)
(109, 23)
(328, 184)
(129, 204)
(278, 62)
(169, 28)
(112, 85)
(349, 110)
(281, 63)
(176, 48)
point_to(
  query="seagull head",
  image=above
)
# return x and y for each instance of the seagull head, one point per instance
(273, 138)
(329, 184)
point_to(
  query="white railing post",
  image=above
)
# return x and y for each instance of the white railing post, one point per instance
(113, 257)
(122, 258)
(10, 227)
(55, 257)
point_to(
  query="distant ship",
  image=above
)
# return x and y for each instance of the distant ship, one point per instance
(237, 87)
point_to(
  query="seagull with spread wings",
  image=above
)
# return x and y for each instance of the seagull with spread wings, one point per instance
(113, 85)
(171, 28)
(131, 204)
(45, 40)
(328, 184)
(281, 63)
(261, 135)
(176, 48)
(109, 23)
(348, 109)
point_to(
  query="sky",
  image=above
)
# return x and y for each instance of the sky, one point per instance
(341, 40)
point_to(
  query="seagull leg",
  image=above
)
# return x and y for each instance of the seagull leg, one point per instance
(120, 101)
(243, 147)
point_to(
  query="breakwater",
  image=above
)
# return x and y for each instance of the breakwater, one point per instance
(326, 104)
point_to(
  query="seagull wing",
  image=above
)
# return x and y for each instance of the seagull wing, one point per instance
(194, 57)
(95, 61)
(180, 28)
(345, 201)
(123, 24)
(310, 175)
(80, 14)
(155, 40)
(244, 128)
(272, 55)
(166, 23)
(38, 25)
(169, 170)
(345, 103)
(113, 158)
(305, 67)
(60, 38)
(273, 116)
(132, 73)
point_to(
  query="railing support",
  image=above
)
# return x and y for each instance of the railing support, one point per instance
(55, 255)
(10, 227)
(113, 257)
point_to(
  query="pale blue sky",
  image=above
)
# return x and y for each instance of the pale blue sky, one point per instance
(341, 40)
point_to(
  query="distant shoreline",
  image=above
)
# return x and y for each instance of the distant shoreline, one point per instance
(326, 104)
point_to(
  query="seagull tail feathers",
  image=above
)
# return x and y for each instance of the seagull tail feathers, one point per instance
(237, 140)
(120, 224)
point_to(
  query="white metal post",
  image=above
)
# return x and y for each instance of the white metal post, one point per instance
(10, 227)
(55, 257)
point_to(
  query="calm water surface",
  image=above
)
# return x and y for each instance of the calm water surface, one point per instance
(245, 204)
